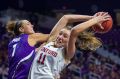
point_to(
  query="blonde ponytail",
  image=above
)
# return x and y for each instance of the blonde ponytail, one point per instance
(10, 26)
(87, 41)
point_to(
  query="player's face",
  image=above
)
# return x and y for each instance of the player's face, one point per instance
(27, 27)
(62, 38)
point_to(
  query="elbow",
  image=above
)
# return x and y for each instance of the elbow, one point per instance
(67, 17)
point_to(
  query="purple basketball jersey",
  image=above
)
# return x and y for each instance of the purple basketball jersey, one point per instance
(20, 55)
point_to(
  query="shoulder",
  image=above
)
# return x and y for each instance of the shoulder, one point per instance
(23, 36)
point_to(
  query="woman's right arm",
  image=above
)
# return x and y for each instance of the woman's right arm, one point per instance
(37, 37)
(80, 28)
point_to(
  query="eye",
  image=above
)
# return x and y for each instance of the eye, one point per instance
(28, 23)
(65, 35)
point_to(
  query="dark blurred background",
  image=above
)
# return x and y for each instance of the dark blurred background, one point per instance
(101, 64)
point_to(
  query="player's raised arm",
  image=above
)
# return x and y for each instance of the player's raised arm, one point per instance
(80, 28)
(64, 21)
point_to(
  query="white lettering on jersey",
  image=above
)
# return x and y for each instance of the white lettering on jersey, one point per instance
(16, 39)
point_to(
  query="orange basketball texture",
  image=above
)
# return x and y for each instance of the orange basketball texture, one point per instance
(107, 25)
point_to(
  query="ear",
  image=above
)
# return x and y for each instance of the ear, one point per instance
(21, 29)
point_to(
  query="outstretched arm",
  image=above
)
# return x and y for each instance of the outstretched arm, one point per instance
(64, 21)
(40, 37)
(37, 37)
(80, 28)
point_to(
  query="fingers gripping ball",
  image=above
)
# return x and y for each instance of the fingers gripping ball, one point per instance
(107, 25)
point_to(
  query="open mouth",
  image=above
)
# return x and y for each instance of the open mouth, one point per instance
(59, 41)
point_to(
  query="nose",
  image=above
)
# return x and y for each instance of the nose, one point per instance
(32, 25)
(61, 37)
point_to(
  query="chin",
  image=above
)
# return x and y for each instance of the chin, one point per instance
(58, 45)
(61, 45)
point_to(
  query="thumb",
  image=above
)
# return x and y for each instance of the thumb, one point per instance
(100, 25)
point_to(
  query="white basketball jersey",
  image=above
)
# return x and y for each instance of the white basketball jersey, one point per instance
(48, 63)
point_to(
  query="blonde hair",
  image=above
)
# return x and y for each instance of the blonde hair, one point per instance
(88, 41)
(11, 27)
(68, 27)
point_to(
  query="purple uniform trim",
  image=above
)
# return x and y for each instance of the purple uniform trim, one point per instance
(20, 55)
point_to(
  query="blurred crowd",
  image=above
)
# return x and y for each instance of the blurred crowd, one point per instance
(90, 65)
(84, 65)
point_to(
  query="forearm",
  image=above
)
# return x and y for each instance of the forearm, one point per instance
(76, 18)
(83, 26)
(71, 47)
(74, 34)
(42, 37)
(37, 37)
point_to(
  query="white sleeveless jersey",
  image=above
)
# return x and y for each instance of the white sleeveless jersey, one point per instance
(48, 63)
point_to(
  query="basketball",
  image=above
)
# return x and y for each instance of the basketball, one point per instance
(107, 25)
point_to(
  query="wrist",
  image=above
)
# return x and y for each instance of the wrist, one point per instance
(88, 17)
